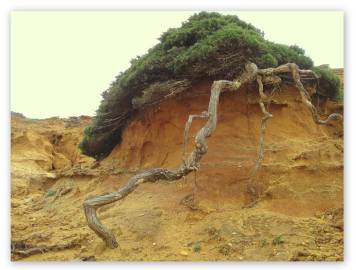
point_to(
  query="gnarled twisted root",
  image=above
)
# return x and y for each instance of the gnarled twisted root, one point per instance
(153, 175)
(296, 74)
(271, 75)
(252, 73)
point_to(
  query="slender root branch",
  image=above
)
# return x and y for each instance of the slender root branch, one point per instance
(307, 100)
(268, 76)
(251, 187)
(297, 74)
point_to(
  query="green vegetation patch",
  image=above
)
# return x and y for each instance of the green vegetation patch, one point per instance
(208, 45)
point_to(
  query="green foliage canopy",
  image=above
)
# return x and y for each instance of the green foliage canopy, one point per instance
(207, 45)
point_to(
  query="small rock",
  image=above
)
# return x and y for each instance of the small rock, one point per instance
(303, 253)
(88, 259)
(27, 200)
(15, 204)
(20, 226)
(50, 175)
(226, 249)
(183, 253)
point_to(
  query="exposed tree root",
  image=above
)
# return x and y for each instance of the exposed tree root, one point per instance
(21, 249)
(271, 76)
(252, 73)
(297, 75)
(153, 175)
(251, 188)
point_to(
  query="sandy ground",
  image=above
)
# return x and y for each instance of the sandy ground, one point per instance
(299, 215)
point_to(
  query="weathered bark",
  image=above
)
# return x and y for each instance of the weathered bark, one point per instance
(252, 73)
(256, 168)
(188, 124)
(153, 175)
(21, 249)
(296, 73)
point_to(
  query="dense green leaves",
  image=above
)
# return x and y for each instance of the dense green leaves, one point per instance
(329, 82)
(207, 45)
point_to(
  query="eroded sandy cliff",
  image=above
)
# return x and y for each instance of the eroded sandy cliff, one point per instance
(299, 215)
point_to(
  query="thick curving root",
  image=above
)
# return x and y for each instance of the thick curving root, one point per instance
(153, 175)
(252, 73)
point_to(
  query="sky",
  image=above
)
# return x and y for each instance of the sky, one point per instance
(61, 62)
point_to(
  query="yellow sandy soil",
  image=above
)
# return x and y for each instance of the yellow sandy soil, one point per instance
(299, 215)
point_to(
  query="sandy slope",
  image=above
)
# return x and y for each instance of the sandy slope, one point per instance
(299, 215)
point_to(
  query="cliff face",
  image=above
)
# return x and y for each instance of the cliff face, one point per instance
(40, 148)
(300, 185)
(296, 148)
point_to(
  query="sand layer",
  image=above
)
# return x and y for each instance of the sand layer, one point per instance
(299, 215)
